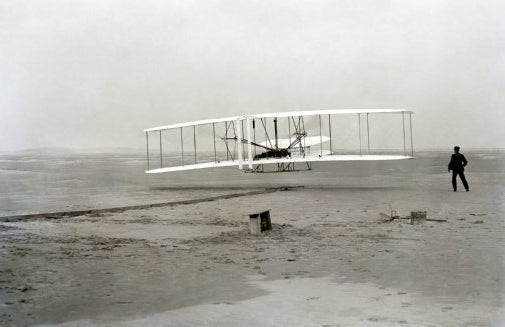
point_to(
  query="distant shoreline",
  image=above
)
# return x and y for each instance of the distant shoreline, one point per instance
(65, 151)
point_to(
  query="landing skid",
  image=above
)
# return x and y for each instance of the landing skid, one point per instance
(281, 167)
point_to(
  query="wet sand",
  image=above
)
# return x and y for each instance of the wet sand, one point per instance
(329, 261)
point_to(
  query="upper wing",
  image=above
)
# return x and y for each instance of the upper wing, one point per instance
(193, 123)
(328, 112)
(278, 115)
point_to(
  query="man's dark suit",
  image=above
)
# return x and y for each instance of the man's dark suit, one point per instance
(457, 165)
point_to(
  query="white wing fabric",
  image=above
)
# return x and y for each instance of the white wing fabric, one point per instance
(306, 141)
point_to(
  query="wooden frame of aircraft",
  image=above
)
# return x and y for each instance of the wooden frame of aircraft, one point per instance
(245, 151)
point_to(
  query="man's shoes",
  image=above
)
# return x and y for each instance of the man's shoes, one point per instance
(468, 190)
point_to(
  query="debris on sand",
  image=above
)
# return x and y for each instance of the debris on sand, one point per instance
(416, 217)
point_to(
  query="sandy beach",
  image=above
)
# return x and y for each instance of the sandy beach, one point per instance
(138, 137)
(330, 259)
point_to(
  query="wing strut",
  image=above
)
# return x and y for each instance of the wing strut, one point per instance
(239, 144)
(359, 132)
(368, 133)
(242, 138)
(214, 138)
(404, 146)
(194, 139)
(161, 153)
(249, 150)
(254, 135)
(303, 123)
(411, 142)
(320, 135)
(289, 131)
(226, 136)
(276, 136)
(147, 143)
(329, 127)
(182, 149)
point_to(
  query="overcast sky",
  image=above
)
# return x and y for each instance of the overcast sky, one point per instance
(95, 73)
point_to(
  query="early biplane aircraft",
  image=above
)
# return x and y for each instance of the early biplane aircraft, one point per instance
(253, 141)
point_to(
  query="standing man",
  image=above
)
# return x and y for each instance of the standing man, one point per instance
(457, 165)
